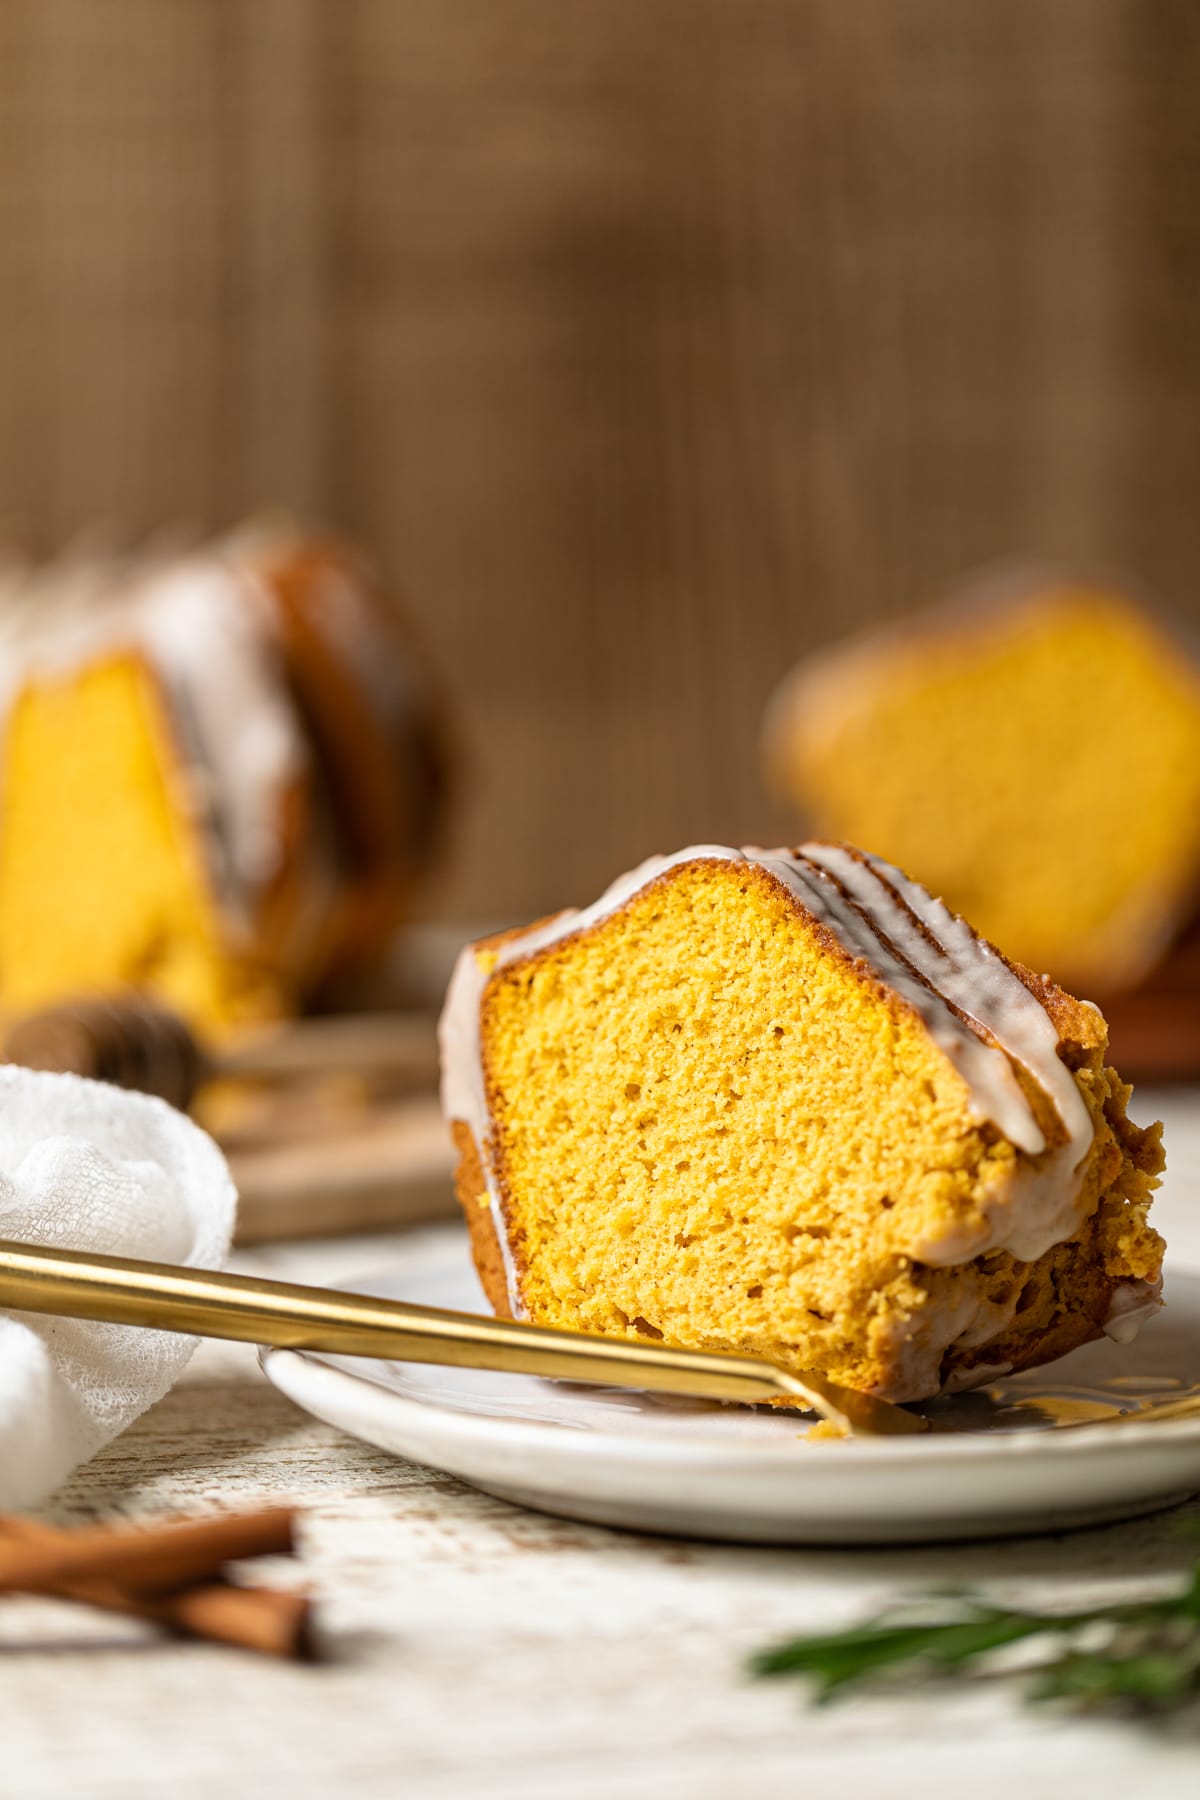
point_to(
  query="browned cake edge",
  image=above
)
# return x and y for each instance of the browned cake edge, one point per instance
(380, 740)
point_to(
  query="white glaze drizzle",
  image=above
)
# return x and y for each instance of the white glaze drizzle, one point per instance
(206, 632)
(962, 1381)
(970, 976)
(854, 920)
(1130, 1305)
(877, 916)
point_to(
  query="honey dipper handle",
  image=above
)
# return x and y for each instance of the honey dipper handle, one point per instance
(71, 1284)
(126, 1040)
(134, 1042)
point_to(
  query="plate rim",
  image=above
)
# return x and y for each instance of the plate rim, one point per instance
(931, 1447)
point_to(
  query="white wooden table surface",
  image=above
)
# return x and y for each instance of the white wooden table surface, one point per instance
(477, 1649)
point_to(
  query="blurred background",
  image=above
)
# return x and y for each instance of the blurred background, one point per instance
(646, 343)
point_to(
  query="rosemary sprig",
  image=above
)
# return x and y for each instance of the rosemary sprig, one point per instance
(1142, 1656)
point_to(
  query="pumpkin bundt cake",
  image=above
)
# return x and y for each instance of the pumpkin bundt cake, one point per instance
(785, 1102)
(985, 744)
(219, 775)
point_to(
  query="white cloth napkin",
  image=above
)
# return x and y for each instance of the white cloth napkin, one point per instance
(88, 1167)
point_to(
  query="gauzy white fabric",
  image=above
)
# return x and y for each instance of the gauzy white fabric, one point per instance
(84, 1166)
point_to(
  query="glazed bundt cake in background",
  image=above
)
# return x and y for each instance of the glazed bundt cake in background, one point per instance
(219, 775)
(785, 1102)
(1030, 750)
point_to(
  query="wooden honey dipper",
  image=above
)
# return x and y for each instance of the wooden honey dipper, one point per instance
(136, 1043)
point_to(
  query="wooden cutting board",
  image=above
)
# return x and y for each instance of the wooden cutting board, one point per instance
(313, 1166)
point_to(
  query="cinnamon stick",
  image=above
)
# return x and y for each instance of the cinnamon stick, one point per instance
(147, 1559)
(268, 1621)
(264, 1620)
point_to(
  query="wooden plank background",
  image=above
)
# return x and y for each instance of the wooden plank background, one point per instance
(648, 341)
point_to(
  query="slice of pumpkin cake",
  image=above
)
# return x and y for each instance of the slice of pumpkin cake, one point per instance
(972, 742)
(786, 1102)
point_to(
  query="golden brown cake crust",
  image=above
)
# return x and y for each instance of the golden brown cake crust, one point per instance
(471, 1188)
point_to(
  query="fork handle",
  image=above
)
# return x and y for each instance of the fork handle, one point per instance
(165, 1297)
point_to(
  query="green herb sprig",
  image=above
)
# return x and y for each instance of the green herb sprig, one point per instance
(1140, 1657)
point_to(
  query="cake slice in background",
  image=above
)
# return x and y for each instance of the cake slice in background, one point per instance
(220, 775)
(785, 1102)
(1030, 750)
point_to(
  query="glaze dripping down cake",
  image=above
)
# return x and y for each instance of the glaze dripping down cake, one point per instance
(785, 1102)
(220, 774)
(984, 743)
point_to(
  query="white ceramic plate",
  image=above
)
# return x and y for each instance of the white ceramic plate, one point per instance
(1011, 1458)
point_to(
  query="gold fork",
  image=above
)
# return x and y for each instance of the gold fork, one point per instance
(72, 1284)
